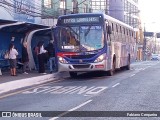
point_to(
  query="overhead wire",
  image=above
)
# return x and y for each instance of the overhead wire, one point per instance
(29, 12)
(38, 8)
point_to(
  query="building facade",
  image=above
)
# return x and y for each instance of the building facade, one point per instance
(99, 6)
(21, 10)
(54, 8)
(126, 11)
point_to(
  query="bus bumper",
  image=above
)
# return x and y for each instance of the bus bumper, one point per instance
(100, 66)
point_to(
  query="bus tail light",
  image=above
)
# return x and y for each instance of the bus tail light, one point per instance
(62, 60)
(100, 58)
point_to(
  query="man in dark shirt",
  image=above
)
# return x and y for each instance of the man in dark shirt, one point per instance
(51, 52)
(25, 58)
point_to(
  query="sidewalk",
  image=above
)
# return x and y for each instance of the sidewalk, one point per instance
(9, 83)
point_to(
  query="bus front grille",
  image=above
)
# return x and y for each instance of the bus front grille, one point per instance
(81, 56)
(81, 66)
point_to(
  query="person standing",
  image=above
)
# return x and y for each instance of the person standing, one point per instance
(51, 53)
(41, 57)
(12, 59)
(25, 57)
(35, 56)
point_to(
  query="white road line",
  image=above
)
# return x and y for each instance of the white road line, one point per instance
(132, 75)
(79, 106)
(115, 85)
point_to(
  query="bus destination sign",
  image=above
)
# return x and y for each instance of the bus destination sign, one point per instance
(81, 20)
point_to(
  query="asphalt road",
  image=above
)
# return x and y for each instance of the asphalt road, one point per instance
(134, 90)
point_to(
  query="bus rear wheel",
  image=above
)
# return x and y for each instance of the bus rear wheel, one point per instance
(73, 74)
(111, 72)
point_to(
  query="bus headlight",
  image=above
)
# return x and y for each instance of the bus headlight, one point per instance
(62, 60)
(100, 58)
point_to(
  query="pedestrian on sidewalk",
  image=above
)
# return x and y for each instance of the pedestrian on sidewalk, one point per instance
(41, 57)
(35, 56)
(25, 57)
(51, 52)
(12, 59)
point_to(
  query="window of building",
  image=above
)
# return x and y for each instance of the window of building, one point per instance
(47, 3)
(62, 4)
(98, 4)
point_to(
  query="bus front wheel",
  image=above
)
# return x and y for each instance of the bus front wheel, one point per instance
(73, 74)
(111, 72)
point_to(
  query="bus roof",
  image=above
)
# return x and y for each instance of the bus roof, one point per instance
(117, 21)
(97, 14)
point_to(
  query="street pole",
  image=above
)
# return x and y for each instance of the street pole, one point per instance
(144, 44)
(65, 10)
(155, 46)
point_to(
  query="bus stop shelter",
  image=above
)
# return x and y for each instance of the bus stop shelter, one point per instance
(15, 32)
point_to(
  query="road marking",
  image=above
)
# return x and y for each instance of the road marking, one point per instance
(80, 90)
(115, 85)
(14, 93)
(132, 75)
(75, 108)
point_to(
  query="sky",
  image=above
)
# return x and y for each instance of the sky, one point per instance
(150, 14)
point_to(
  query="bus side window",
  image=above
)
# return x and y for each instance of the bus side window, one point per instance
(109, 29)
(117, 28)
(109, 32)
(120, 34)
(112, 27)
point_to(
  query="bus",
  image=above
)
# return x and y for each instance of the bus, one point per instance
(93, 42)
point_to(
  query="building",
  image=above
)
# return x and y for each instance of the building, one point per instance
(51, 9)
(126, 11)
(21, 10)
(99, 6)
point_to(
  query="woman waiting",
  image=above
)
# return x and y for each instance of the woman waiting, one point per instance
(12, 59)
(41, 57)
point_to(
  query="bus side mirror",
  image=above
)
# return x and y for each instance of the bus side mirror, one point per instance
(109, 31)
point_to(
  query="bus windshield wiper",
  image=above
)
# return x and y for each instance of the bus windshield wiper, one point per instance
(72, 30)
(86, 33)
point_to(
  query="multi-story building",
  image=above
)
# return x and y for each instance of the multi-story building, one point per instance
(21, 10)
(51, 9)
(54, 8)
(125, 10)
(99, 6)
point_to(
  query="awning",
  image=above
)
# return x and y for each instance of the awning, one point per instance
(21, 28)
(44, 32)
(3, 22)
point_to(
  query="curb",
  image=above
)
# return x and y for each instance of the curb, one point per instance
(22, 83)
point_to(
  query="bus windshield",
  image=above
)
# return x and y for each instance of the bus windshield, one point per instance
(81, 38)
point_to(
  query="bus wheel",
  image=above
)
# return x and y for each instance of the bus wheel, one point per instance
(111, 72)
(128, 64)
(73, 74)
